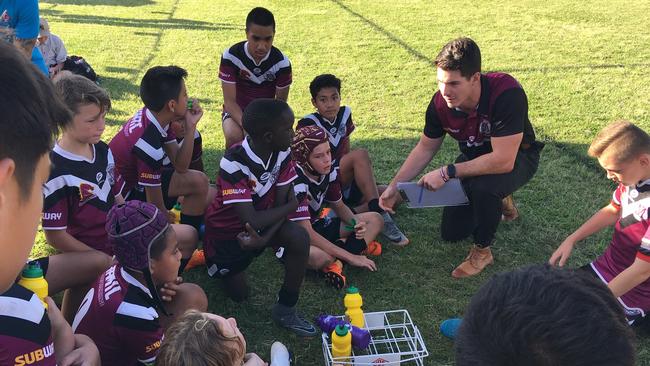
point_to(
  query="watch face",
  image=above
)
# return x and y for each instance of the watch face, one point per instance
(451, 171)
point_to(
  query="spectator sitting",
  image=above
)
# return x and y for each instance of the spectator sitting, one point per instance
(52, 48)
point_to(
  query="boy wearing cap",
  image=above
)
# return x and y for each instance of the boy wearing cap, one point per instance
(52, 48)
(123, 312)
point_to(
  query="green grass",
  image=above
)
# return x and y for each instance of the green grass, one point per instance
(582, 64)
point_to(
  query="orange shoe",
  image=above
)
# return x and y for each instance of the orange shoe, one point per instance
(197, 260)
(509, 209)
(477, 259)
(334, 274)
(373, 249)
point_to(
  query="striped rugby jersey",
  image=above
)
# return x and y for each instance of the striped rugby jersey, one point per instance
(79, 193)
(338, 131)
(254, 80)
(326, 188)
(119, 315)
(25, 330)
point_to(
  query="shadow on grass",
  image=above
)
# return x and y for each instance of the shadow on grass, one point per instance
(128, 3)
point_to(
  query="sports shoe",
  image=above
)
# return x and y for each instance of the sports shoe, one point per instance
(334, 274)
(477, 259)
(196, 260)
(373, 249)
(392, 232)
(449, 327)
(509, 209)
(280, 355)
(287, 317)
(324, 212)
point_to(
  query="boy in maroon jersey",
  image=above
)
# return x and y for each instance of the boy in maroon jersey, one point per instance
(623, 150)
(252, 69)
(123, 312)
(254, 186)
(28, 334)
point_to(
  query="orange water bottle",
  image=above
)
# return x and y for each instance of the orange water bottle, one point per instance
(32, 279)
(341, 343)
(353, 303)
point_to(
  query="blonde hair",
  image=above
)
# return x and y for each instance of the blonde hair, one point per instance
(196, 340)
(621, 139)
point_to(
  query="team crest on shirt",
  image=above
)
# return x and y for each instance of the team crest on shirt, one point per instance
(5, 16)
(99, 177)
(269, 76)
(257, 71)
(333, 130)
(110, 173)
(485, 127)
(270, 177)
(252, 183)
(641, 213)
(86, 193)
(244, 74)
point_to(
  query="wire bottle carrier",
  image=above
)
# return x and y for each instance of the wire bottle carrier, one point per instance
(394, 340)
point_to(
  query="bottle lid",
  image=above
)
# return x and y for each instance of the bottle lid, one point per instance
(341, 330)
(177, 206)
(352, 290)
(32, 270)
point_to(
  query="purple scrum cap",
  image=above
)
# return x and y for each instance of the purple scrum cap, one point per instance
(304, 142)
(132, 228)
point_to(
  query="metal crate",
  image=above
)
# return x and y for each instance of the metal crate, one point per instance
(394, 340)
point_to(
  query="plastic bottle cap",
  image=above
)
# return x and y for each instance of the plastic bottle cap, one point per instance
(341, 330)
(352, 290)
(177, 206)
(32, 271)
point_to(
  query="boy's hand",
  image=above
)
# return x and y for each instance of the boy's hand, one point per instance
(432, 180)
(362, 262)
(252, 359)
(192, 116)
(53, 312)
(388, 199)
(360, 229)
(250, 239)
(84, 354)
(291, 199)
(562, 253)
(169, 289)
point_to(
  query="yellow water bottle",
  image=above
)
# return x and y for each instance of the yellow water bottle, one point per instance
(353, 303)
(341, 343)
(32, 279)
(176, 210)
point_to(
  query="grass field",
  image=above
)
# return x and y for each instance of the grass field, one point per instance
(582, 64)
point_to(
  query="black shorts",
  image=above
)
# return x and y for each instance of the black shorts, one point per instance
(352, 195)
(138, 193)
(230, 259)
(328, 227)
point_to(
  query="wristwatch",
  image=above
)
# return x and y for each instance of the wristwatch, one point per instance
(451, 171)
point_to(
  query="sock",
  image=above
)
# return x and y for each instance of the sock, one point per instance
(354, 245)
(373, 205)
(183, 264)
(194, 221)
(287, 298)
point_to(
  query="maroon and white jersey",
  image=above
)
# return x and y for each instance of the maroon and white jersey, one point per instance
(197, 150)
(25, 330)
(138, 150)
(338, 131)
(326, 188)
(502, 111)
(79, 193)
(244, 177)
(254, 80)
(119, 315)
(631, 240)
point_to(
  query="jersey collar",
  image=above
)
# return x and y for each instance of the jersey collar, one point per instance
(131, 280)
(71, 156)
(152, 119)
(251, 57)
(251, 154)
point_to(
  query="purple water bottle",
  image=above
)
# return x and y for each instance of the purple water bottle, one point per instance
(360, 337)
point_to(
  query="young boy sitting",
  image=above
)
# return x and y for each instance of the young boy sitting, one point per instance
(252, 69)
(143, 142)
(29, 334)
(355, 169)
(123, 312)
(331, 238)
(255, 194)
(623, 150)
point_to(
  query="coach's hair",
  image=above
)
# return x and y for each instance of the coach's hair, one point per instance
(260, 16)
(31, 111)
(264, 115)
(460, 54)
(621, 139)
(543, 316)
(196, 340)
(76, 90)
(161, 84)
(324, 81)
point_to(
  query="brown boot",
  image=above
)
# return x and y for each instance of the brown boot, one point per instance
(509, 209)
(477, 259)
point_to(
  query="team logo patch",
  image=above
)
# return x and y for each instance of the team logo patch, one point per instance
(99, 177)
(86, 192)
(634, 193)
(333, 130)
(5, 16)
(485, 127)
(244, 74)
(269, 76)
(257, 71)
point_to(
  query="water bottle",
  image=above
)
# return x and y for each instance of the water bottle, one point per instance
(353, 303)
(176, 210)
(341, 343)
(32, 279)
(360, 337)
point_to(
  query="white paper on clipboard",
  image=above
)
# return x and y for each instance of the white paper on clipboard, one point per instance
(450, 194)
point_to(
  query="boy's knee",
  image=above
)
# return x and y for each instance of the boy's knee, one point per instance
(199, 182)
(318, 259)
(194, 297)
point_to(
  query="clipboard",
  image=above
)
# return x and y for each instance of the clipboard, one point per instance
(451, 194)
